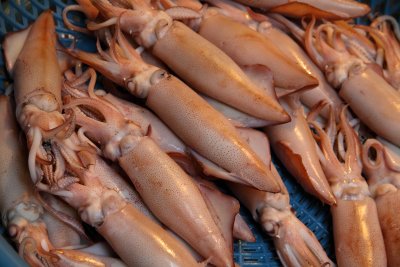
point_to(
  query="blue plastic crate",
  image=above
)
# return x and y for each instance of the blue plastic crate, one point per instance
(16, 15)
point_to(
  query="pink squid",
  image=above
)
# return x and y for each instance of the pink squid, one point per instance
(41, 238)
(369, 96)
(296, 245)
(356, 229)
(381, 165)
(387, 41)
(178, 107)
(192, 57)
(72, 171)
(327, 9)
(295, 146)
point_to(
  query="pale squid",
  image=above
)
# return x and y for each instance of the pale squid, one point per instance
(372, 99)
(295, 146)
(249, 49)
(37, 91)
(273, 52)
(357, 233)
(170, 144)
(327, 9)
(387, 41)
(131, 234)
(33, 229)
(136, 238)
(150, 169)
(178, 106)
(381, 165)
(192, 57)
(296, 245)
(21, 211)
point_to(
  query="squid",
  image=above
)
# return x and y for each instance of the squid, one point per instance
(369, 96)
(170, 99)
(150, 169)
(357, 233)
(135, 237)
(274, 50)
(171, 144)
(22, 214)
(326, 9)
(35, 231)
(75, 175)
(387, 41)
(295, 146)
(192, 57)
(296, 245)
(37, 92)
(105, 201)
(257, 52)
(381, 165)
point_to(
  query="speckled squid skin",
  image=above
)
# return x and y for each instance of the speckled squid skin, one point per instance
(204, 67)
(323, 92)
(229, 150)
(36, 68)
(375, 102)
(388, 206)
(248, 47)
(366, 248)
(156, 172)
(148, 238)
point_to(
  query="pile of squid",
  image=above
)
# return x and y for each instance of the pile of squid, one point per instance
(159, 156)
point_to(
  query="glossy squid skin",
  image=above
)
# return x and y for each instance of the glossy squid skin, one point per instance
(248, 47)
(148, 238)
(383, 173)
(375, 102)
(324, 91)
(196, 57)
(203, 235)
(388, 207)
(357, 232)
(192, 57)
(336, 9)
(361, 217)
(120, 222)
(37, 88)
(170, 143)
(229, 150)
(149, 168)
(39, 236)
(296, 245)
(37, 79)
(21, 212)
(40, 77)
(295, 146)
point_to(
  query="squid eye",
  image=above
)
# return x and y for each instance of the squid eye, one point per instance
(271, 227)
(13, 231)
(157, 76)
